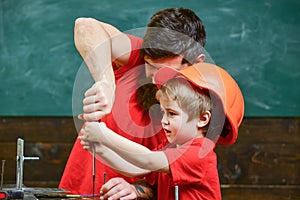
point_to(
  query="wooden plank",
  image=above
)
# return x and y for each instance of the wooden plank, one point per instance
(36, 129)
(49, 138)
(259, 164)
(269, 130)
(266, 152)
(49, 167)
(260, 192)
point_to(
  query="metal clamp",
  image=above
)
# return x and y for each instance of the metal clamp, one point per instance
(20, 162)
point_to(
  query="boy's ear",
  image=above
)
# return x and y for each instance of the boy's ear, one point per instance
(204, 119)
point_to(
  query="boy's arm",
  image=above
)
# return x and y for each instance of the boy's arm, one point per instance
(117, 162)
(134, 153)
(141, 189)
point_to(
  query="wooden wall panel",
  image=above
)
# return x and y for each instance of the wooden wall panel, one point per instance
(49, 138)
(263, 164)
(36, 129)
(266, 152)
(260, 192)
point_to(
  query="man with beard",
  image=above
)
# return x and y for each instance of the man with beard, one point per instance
(122, 96)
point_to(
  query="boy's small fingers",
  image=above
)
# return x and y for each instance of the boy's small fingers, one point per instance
(80, 116)
(82, 131)
(81, 137)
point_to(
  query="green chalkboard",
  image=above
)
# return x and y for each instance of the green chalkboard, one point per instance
(255, 41)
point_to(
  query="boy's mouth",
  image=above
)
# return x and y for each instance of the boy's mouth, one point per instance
(167, 132)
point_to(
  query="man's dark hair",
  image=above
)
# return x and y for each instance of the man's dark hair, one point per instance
(172, 32)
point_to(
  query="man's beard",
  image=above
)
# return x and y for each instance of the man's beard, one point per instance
(146, 94)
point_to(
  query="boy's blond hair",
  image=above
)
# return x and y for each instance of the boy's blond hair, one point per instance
(190, 99)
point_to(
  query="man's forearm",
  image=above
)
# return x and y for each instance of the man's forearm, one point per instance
(93, 43)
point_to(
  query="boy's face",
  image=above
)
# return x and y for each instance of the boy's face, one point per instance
(175, 123)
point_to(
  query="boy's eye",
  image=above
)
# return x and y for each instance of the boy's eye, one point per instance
(172, 113)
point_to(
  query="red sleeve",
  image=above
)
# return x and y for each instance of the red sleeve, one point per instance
(134, 60)
(189, 165)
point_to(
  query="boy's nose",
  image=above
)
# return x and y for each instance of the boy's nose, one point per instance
(164, 119)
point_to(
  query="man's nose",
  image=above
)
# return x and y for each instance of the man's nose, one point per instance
(150, 72)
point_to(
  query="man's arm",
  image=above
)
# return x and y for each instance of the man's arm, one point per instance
(99, 44)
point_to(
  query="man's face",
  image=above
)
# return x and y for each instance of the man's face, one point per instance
(146, 91)
(151, 66)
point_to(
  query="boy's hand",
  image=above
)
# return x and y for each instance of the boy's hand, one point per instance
(85, 145)
(92, 132)
(88, 135)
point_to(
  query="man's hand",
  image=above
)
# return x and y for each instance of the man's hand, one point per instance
(98, 101)
(118, 188)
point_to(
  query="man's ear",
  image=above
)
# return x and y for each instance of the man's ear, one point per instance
(204, 119)
(200, 58)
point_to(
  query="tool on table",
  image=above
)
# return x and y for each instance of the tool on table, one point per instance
(6, 193)
(2, 173)
(94, 170)
(11, 194)
(20, 162)
(3, 194)
(57, 195)
(104, 177)
(176, 192)
(94, 173)
(17, 192)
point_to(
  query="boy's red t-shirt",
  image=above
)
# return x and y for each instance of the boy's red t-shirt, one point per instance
(195, 175)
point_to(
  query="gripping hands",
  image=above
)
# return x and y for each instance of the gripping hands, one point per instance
(98, 101)
(93, 132)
